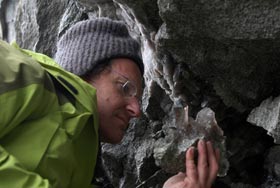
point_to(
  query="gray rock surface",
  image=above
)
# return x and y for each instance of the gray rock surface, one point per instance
(267, 116)
(222, 55)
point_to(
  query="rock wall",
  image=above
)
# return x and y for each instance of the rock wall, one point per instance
(222, 55)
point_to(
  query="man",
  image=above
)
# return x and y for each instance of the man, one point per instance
(52, 116)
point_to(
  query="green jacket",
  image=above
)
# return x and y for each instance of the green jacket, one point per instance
(48, 123)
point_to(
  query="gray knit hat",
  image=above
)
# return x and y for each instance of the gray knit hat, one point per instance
(90, 42)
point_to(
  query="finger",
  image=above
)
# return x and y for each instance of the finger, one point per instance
(191, 170)
(202, 164)
(213, 156)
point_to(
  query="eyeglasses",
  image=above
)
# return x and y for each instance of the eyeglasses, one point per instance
(128, 88)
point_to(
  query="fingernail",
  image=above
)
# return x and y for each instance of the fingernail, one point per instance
(191, 150)
(201, 142)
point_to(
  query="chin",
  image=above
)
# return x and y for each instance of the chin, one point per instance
(115, 142)
(112, 140)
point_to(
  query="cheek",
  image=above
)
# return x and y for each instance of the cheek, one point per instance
(103, 98)
(110, 101)
(108, 106)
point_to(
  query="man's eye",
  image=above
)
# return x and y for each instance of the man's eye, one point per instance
(126, 89)
(121, 85)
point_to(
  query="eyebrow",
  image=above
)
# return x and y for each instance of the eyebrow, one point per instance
(120, 74)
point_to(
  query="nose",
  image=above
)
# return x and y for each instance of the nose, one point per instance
(133, 107)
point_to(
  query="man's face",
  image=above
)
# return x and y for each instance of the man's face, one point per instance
(118, 92)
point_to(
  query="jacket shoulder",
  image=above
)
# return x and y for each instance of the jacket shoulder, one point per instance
(17, 69)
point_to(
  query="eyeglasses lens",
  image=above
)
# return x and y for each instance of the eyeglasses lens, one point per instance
(129, 89)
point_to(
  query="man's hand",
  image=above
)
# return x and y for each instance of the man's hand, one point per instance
(201, 175)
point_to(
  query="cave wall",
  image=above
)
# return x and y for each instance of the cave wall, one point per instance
(219, 54)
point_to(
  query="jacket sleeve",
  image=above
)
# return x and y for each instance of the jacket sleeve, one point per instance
(13, 174)
(22, 98)
(17, 108)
